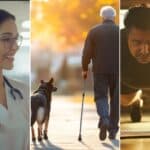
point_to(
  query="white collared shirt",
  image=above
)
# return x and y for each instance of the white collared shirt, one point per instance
(14, 120)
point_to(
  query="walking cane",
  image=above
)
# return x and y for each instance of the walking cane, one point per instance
(82, 106)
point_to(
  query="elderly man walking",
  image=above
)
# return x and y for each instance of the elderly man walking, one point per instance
(102, 47)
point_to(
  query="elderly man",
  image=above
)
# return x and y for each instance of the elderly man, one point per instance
(102, 47)
(135, 59)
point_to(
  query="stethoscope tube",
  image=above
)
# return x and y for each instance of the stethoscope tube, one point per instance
(13, 90)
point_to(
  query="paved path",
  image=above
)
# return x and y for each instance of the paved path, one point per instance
(64, 128)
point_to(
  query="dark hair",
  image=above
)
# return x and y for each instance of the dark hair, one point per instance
(4, 15)
(139, 17)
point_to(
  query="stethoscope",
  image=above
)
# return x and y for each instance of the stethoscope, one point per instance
(13, 90)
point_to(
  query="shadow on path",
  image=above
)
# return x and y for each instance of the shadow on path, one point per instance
(108, 146)
(116, 143)
(47, 145)
(112, 147)
(87, 146)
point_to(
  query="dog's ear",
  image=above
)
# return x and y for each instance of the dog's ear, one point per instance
(51, 80)
(42, 81)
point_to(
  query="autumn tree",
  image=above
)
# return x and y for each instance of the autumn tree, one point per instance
(62, 24)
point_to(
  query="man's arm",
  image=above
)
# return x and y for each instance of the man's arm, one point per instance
(87, 55)
(129, 99)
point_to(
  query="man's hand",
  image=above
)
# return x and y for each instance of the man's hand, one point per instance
(129, 99)
(84, 74)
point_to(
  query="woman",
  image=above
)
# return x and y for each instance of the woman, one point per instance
(14, 96)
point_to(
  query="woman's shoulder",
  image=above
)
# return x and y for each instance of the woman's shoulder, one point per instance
(25, 92)
(20, 85)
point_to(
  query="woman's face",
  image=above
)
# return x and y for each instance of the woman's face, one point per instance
(8, 43)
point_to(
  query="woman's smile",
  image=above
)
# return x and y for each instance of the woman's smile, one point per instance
(9, 57)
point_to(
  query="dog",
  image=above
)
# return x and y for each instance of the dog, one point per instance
(41, 107)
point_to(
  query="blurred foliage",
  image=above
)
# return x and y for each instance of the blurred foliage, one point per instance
(61, 24)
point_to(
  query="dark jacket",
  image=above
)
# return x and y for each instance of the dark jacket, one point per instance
(102, 47)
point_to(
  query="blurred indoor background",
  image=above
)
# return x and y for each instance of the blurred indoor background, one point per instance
(21, 10)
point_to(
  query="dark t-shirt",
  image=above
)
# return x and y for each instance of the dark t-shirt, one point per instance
(134, 75)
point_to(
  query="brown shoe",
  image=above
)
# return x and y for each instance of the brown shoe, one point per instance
(103, 129)
(112, 135)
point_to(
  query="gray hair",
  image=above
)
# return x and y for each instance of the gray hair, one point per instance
(107, 12)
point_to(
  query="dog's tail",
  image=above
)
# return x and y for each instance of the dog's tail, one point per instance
(40, 114)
